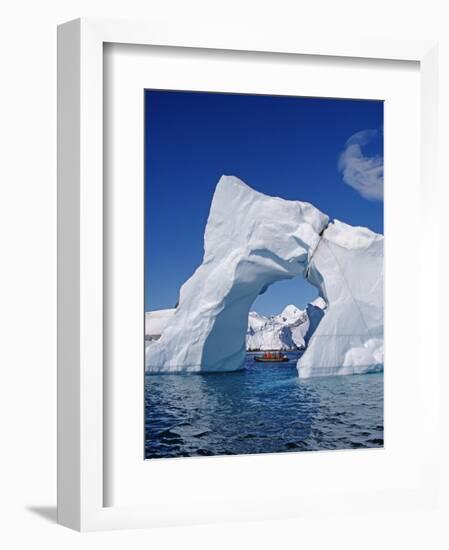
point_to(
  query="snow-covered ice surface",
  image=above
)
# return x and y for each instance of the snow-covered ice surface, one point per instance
(156, 321)
(347, 267)
(253, 240)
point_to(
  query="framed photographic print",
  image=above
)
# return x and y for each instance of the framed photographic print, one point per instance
(285, 302)
(233, 331)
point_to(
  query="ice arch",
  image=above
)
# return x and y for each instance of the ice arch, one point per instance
(251, 241)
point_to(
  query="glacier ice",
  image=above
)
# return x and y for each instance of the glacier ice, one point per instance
(253, 240)
(347, 267)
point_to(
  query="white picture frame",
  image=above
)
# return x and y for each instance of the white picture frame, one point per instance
(81, 387)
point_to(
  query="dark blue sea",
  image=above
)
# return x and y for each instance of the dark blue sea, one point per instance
(265, 408)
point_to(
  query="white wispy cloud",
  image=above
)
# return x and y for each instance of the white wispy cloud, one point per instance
(365, 174)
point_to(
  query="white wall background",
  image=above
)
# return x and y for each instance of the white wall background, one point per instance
(28, 268)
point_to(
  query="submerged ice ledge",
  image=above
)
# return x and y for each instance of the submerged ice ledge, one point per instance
(252, 241)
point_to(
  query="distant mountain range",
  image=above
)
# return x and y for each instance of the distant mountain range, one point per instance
(289, 330)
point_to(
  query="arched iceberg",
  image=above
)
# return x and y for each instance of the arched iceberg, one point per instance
(253, 240)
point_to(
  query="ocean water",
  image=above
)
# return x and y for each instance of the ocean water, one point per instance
(265, 408)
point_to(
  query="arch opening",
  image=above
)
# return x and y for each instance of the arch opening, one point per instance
(232, 322)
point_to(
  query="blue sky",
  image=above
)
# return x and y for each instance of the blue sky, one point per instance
(325, 151)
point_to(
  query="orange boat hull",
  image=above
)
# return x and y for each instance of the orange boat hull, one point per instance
(282, 359)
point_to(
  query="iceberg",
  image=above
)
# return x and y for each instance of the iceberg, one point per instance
(252, 241)
(347, 268)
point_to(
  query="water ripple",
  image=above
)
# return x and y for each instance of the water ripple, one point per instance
(263, 409)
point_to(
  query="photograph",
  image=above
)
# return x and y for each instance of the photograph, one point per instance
(263, 272)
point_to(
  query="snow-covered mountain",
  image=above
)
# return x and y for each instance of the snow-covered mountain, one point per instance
(291, 329)
(285, 331)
